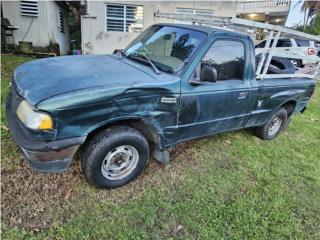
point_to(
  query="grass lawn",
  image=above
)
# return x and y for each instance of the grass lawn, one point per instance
(231, 186)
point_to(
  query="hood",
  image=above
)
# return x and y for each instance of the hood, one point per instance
(45, 78)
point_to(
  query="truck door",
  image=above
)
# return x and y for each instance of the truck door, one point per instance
(212, 107)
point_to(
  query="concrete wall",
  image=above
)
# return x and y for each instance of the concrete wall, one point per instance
(95, 39)
(43, 29)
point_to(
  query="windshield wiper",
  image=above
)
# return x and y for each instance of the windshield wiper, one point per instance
(123, 54)
(155, 69)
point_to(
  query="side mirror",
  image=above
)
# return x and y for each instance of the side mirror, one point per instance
(117, 51)
(208, 74)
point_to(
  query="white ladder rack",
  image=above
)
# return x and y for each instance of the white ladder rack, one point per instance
(242, 26)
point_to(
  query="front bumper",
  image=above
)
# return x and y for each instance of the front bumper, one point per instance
(42, 156)
(51, 161)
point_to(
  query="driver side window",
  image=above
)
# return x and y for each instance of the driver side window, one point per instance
(227, 58)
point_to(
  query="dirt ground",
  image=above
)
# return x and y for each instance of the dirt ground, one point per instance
(30, 199)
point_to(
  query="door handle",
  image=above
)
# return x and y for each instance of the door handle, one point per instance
(243, 94)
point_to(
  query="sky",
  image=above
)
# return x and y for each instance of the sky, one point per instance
(295, 16)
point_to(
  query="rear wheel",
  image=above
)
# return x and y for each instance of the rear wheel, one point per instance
(277, 122)
(114, 157)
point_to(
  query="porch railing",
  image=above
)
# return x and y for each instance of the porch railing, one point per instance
(262, 5)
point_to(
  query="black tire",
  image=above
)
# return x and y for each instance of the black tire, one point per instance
(263, 132)
(99, 146)
(279, 65)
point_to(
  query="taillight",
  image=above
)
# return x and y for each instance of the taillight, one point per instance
(311, 51)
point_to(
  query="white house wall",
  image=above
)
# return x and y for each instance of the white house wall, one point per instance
(95, 39)
(38, 30)
(44, 28)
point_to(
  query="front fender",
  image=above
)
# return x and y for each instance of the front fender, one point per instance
(156, 131)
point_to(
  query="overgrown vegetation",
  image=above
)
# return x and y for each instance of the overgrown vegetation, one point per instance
(231, 186)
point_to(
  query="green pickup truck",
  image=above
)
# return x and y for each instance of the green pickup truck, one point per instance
(173, 83)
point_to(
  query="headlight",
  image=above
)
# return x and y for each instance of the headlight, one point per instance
(33, 119)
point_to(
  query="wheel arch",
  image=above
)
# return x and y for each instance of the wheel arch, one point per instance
(289, 106)
(153, 134)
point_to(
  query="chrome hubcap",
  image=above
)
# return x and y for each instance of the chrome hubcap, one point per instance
(119, 162)
(274, 126)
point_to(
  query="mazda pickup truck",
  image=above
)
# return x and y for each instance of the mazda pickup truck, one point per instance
(173, 83)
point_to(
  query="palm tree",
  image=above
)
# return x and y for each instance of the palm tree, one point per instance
(310, 8)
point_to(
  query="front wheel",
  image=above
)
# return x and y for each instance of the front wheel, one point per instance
(277, 122)
(114, 157)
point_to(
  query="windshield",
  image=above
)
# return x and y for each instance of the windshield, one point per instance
(168, 48)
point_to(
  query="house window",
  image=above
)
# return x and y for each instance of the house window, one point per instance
(124, 18)
(61, 22)
(29, 8)
(191, 12)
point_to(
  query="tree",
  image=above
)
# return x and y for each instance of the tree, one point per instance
(313, 27)
(310, 9)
